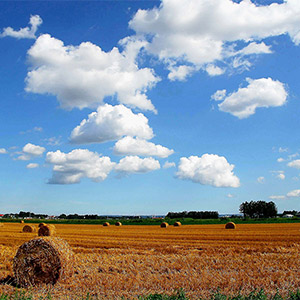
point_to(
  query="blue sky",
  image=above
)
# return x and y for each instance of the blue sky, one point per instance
(146, 107)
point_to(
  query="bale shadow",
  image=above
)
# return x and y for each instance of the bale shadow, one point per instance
(10, 281)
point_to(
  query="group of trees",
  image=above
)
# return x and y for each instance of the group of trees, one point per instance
(193, 215)
(258, 209)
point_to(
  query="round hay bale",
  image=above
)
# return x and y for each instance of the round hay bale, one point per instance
(28, 228)
(164, 225)
(106, 224)
(22, 221)
(230, 225)
(177, 224)
(46, 230)
(43, 261)
(42, 224)
(118, 224)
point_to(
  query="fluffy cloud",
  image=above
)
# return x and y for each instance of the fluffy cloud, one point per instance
(214, 70)
(131, 146)
(294, 193)
(82, 76)
(3, 151)
(31, 151)
(69, 168)
(204, 32)
(263, 92)
(294, 164)
(209, 169)
(219, 95)
(110, 123)
(32, 166)
(280, 159)
(279, 174)
(24, 33)
(134, 164)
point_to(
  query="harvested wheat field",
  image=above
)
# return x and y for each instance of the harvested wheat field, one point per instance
(138, 260)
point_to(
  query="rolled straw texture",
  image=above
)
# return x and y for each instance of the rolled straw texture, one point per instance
(47, 230)
(43, 261)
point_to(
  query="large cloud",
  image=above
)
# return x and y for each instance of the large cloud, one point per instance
(135, 164)
(110, 123)
(82, 76)
(209, 169)
(263, 92)
(24, 33)
(71, 167)
(131, 146)
(202, 32)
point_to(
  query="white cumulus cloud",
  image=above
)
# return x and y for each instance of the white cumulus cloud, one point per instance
(294, 164)
(69, 168)
(202, 32)
(136, 146)
(82, 76)
(24, 33)
(3, 151)
(263, 92)
(219, 95)
(135, 164)
(110, 123)
(294, 193)
(32, 166)
(209, 169)
(31, 151)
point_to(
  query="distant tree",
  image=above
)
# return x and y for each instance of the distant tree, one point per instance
(193, 215)
(258, 209)
(290, 212)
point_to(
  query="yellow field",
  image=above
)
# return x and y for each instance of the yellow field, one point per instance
(128, 261)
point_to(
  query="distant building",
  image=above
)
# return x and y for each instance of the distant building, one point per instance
(288, 216)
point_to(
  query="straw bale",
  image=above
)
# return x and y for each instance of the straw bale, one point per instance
(1, 224)
(42, 224)
(230, 225)
(22, 221)
(47, 230)
(164, 225)
(29, 228)
(43, 261)
(118, 224)
(106, 224)
(177, 224)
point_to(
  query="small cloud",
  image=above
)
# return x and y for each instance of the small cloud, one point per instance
(231, 196)
(32, 166)
(34, 129)
(168, 165)
(53, 141)
(281, 150)
(279, 174)
(219, 95)
(3, 151)
(280, 159)
(294, 193)
(276, 197)
(213, 70)
(24, 33)
(261, 179)
(30, 151)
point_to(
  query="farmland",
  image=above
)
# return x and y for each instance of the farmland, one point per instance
(128, 261)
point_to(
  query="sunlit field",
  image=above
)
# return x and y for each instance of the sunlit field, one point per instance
(129, 261)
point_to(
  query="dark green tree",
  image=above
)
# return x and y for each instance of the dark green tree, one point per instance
(258, 209)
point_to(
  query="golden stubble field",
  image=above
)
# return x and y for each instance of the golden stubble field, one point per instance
(128, 261)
